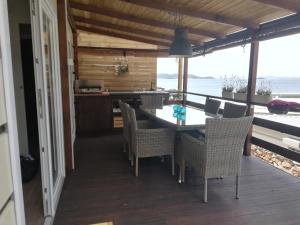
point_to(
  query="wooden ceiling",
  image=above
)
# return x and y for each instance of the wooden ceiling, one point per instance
(153, 21)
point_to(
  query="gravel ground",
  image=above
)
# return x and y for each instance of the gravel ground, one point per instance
(278, 161)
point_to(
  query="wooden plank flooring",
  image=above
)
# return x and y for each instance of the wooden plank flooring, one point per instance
(104, 190)
(33, 201)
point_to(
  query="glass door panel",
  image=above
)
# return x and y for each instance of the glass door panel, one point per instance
(47, 77)
(51, 93)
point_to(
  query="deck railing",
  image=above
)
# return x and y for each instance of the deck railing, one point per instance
(272, 125)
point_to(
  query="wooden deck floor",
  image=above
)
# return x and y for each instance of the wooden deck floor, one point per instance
(103, 189)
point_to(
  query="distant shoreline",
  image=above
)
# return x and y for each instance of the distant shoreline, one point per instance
(196, 78)
(175, 76)
(214, 86)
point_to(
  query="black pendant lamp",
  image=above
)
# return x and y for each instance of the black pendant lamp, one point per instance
(181, 46)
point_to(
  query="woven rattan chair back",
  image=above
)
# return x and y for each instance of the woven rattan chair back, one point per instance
(224, 139)
(132, 118)
(212, 106)
(132, 124)
(152, 101)
(125, 117)
(234, 111)
(150, 142)
(219, 154)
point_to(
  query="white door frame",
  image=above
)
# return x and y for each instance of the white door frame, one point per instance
(52, 193)
(11, 112)
(51, 12)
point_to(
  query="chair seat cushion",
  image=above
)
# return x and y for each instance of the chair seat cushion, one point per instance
(199, 134)
(143, 124)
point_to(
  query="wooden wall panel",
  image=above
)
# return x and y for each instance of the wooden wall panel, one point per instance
(142, 71)
(96, 40)
(64, 74)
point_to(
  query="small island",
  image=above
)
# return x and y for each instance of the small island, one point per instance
(175, 76)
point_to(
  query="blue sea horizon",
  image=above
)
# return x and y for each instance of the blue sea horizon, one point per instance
(214, 86)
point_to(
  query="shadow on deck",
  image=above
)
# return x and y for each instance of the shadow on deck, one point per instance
(103, 189)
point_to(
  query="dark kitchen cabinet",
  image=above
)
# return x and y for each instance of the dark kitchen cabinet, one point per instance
(93, 114)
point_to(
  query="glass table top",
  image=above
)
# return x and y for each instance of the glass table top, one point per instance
(181, 117)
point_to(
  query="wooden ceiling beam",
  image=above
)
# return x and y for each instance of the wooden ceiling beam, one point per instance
(137, 19)
(120, 35)
(121, 51)
(123, 28)
(162, 5)
(70, 17)
(291, 5)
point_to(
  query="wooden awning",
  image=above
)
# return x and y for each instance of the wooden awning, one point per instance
(211, 24)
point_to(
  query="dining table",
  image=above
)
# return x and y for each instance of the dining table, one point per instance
(179, 117)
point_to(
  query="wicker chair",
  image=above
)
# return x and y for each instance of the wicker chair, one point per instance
(150, 142)
(219, 154)
(152, 101)
(212, 106)
(234, 111)
(126, 128)
(142, 124)
(179, 160)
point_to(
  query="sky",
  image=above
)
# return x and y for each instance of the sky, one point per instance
(277, 57)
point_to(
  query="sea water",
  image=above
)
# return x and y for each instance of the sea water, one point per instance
(214, 86)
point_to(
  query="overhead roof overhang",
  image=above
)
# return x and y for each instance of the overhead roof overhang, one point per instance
(278, 28)
(212, 25)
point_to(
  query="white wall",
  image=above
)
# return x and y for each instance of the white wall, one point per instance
(19, 12)
(11, 124)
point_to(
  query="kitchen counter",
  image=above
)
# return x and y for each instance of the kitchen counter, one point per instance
(97, 112)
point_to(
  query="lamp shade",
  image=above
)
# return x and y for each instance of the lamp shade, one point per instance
(180, 45)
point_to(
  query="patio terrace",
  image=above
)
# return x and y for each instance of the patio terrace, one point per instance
(64, 67)
(104, 189)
